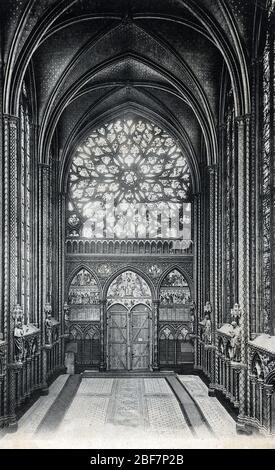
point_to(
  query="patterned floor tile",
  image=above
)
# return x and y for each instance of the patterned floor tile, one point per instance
(126, 405)
(86, 411)
(94, 386)
(157, 386)
(165, 415)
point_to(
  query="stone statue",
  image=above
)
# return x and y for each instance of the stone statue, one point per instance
(207, 323)
(235, 313)
(235, 333)
(66, 317)
(207, 329)
(18, 334)
(207, 309)
(48, 324)
(192, 315)
(235, 342)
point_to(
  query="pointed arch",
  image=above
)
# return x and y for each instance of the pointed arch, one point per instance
(131, 269)
(182, 271)
(76, 270)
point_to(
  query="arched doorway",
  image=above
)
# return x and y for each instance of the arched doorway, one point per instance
(128, 323)
(175, 322)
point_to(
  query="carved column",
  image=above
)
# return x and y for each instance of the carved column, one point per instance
(268, 398)
(43, 194)
(244, 255)
(103, 335)
(61, 271)
(256, 240)
(197, 272)
(261, 387)
(220, 260)
(10, 245)
(213, 297)
(253, 379)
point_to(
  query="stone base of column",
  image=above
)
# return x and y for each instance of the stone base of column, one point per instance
(44, 390)
(242, 428)
(211, 392)
(102, 366)
(12, 425)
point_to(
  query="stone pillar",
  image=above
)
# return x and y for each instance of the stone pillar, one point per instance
(268, 396)
(220, 258)
(253, 380)
(261, 388)
(243, 124)
(61, 272)
(43, 293)
(10, 247)
(197, 275)
(155, 334)
(213, 294)
(103, 335)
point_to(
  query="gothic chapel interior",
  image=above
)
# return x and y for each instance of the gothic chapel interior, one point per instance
(138, 196)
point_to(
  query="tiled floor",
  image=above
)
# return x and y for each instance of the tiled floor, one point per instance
(120, 413)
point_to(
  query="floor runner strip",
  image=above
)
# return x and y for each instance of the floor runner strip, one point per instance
(190, 409)
(55, 414)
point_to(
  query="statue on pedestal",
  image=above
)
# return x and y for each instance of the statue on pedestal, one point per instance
(192, 316)
(48, 324)
(235, 342)
(235, 333)
(66, 310)
(207, 323)
(18, 334)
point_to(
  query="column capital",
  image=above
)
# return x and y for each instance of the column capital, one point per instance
(261, 383)
(242, 120)
(212, 169)
(44, 168)
(269, 389)
(195, 196)
(253, 378)
(11, 119)
(43, 165)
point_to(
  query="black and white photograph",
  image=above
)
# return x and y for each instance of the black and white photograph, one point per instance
(137, 241)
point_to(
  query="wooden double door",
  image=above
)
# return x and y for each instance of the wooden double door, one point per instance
(128, 330)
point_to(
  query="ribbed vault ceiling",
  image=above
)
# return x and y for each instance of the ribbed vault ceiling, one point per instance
(162, 58)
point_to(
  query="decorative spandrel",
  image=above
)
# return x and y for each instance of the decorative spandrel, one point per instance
(129, 289)
(84, 297)
(129, 179)
(175, 298)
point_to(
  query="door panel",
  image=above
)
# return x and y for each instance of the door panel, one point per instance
(117, 337)
(128, 337)
(140, 337)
